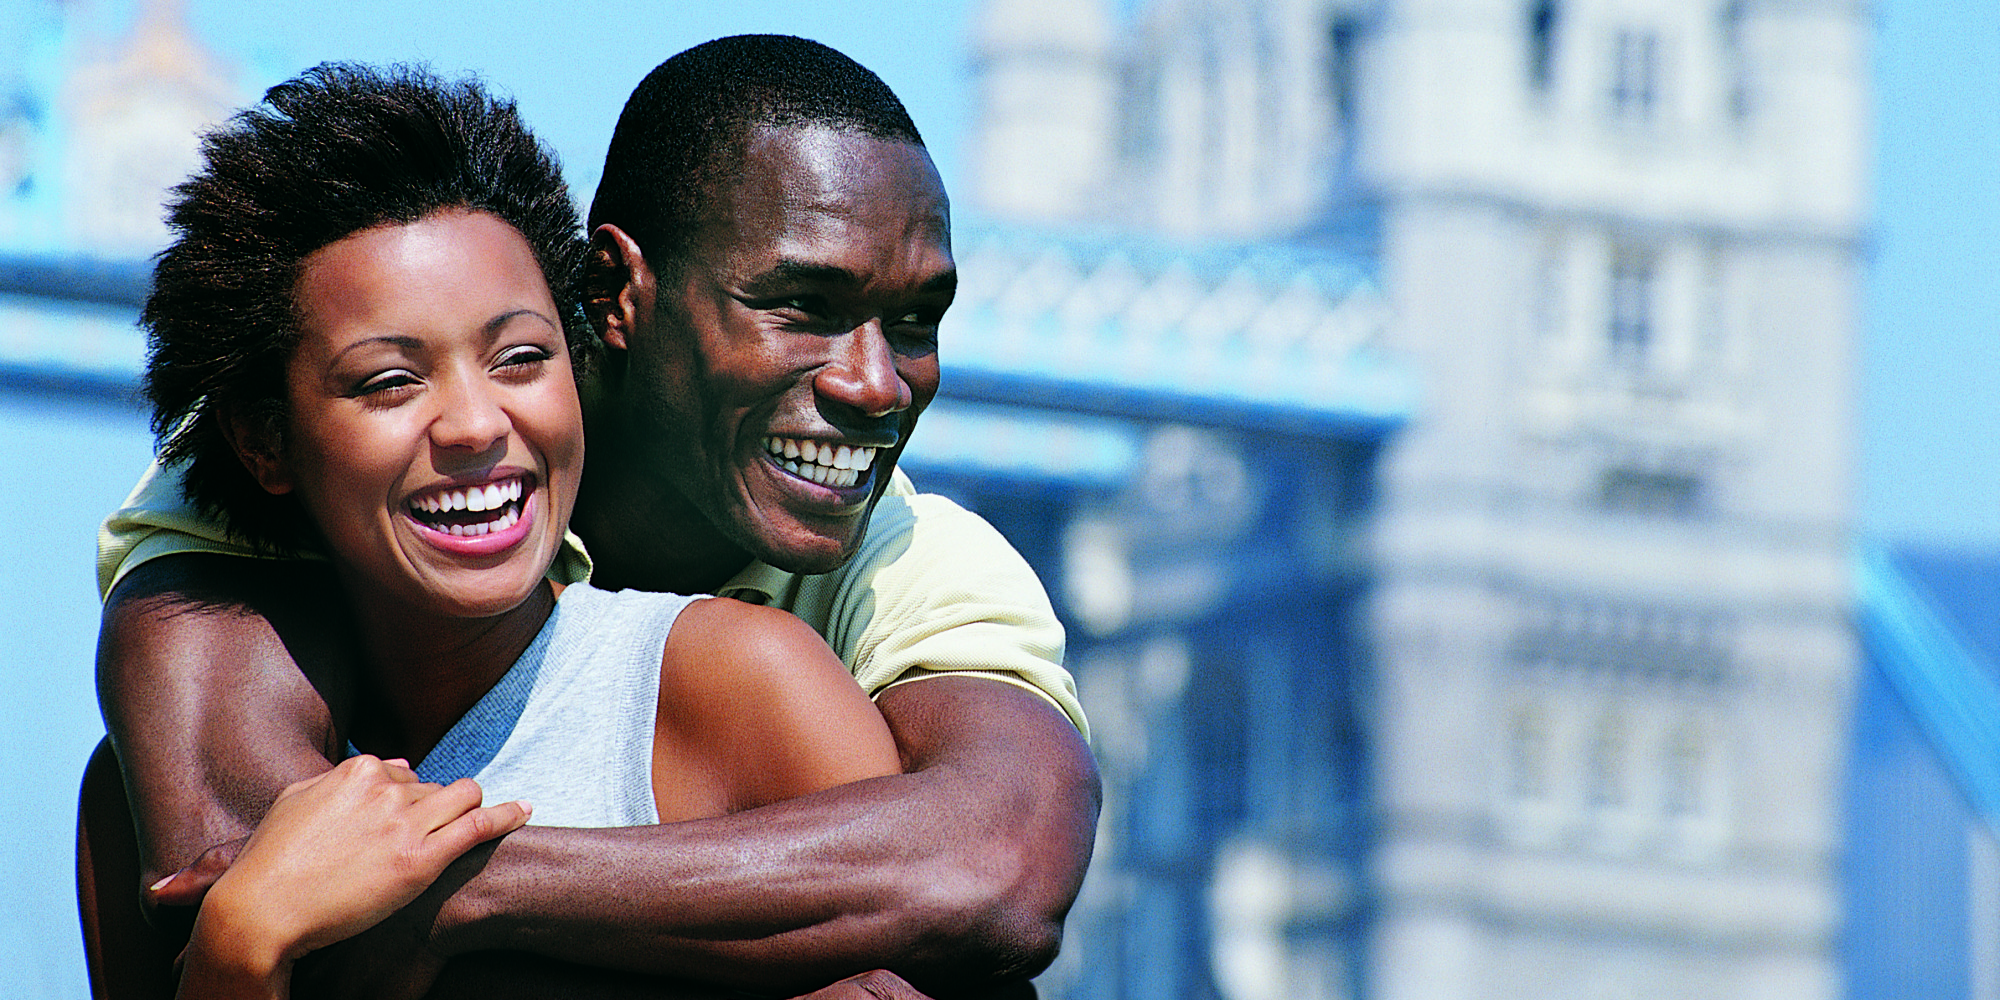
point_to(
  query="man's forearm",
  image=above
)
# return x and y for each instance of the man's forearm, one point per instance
(208, 709)
(956, 874)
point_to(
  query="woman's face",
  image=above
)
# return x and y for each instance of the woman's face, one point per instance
(435, 436)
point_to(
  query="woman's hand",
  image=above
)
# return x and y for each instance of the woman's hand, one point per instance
(335, 855)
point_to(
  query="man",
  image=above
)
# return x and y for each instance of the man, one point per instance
(770, 260)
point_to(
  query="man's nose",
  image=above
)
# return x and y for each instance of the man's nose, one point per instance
(862, 374)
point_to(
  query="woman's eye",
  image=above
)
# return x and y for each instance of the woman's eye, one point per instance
(384, 381)
(522, 358)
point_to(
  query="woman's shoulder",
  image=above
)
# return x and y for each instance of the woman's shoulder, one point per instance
(751, 641)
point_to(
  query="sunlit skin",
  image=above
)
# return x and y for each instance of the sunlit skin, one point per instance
(432, 360)
(432, 363)
(807, 310)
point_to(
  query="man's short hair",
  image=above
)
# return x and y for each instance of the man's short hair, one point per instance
(340, 149)
(687, 123)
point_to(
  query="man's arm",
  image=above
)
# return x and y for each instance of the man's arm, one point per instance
(215, 674)
(956, 875)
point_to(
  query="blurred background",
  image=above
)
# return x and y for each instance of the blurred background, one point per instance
(1516, 472)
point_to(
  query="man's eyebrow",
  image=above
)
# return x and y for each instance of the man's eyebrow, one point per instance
(790, 269)
(807, 272)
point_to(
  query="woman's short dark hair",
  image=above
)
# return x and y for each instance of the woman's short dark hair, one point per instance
(340, 149)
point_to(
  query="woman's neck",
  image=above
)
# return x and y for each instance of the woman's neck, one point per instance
(425, 671)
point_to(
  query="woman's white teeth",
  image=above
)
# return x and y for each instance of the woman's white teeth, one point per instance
(823, 462)
(492, 496)
(502, 523)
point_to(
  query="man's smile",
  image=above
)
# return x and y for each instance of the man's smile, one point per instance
(836, 466)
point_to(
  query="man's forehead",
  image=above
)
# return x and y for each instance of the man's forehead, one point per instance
(826, 162)
(800, 181)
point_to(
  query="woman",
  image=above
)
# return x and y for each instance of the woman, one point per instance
(363, 340)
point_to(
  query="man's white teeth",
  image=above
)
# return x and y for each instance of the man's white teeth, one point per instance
(823, 462)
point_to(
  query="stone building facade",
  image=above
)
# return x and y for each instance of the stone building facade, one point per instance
(1602, 663)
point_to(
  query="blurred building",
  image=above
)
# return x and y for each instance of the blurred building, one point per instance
(1562, 709)
(1433, 419)
(1923, 796)
(93, 131)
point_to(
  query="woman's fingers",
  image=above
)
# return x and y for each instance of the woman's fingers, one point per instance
(478, 826)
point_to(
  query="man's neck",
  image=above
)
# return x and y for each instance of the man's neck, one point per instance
(644, 537)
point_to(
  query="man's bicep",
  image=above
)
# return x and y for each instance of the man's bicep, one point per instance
(215, 675)
(1026, 788)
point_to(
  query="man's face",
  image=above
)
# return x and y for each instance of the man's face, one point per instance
(792, 349)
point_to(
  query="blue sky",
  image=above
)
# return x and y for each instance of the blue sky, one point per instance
(1930, 466)
(1931, 369)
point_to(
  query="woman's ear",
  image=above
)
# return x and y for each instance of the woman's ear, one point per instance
(260, 447)
(617, 286)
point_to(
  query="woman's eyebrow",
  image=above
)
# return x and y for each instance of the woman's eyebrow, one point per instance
(493, 325)
(405, 342)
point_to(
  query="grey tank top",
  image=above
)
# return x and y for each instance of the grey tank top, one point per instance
(570, 727)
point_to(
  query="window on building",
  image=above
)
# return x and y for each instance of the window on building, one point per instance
(1686, 766)
(1544, 22)
(1658, 492)
(1548, 318)
(1528, 754)
(1737, 98)
(1606, 785)
(1343, 45)
(1635, 79)
(1629, 331)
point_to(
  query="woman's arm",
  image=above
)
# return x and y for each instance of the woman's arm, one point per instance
(755, 709)
(336, 854)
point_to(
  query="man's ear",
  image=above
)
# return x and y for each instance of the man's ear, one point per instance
(259, 447)
(617, 286)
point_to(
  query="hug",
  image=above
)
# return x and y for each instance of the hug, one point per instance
(380, 344)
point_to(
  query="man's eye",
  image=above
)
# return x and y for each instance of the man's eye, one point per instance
(807, 306)
(916, 329)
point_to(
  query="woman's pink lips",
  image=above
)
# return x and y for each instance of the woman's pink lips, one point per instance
(482, 545)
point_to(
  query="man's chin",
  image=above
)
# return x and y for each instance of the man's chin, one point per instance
(810, 556)
(811, 548)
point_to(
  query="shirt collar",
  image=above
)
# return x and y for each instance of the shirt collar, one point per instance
(761, 583)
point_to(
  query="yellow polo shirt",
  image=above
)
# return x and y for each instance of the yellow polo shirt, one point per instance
(933, 590)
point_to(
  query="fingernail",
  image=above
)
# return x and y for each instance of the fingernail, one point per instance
(161, 884)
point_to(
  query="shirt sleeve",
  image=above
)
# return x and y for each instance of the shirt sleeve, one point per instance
(936, 591)
(157, 520)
